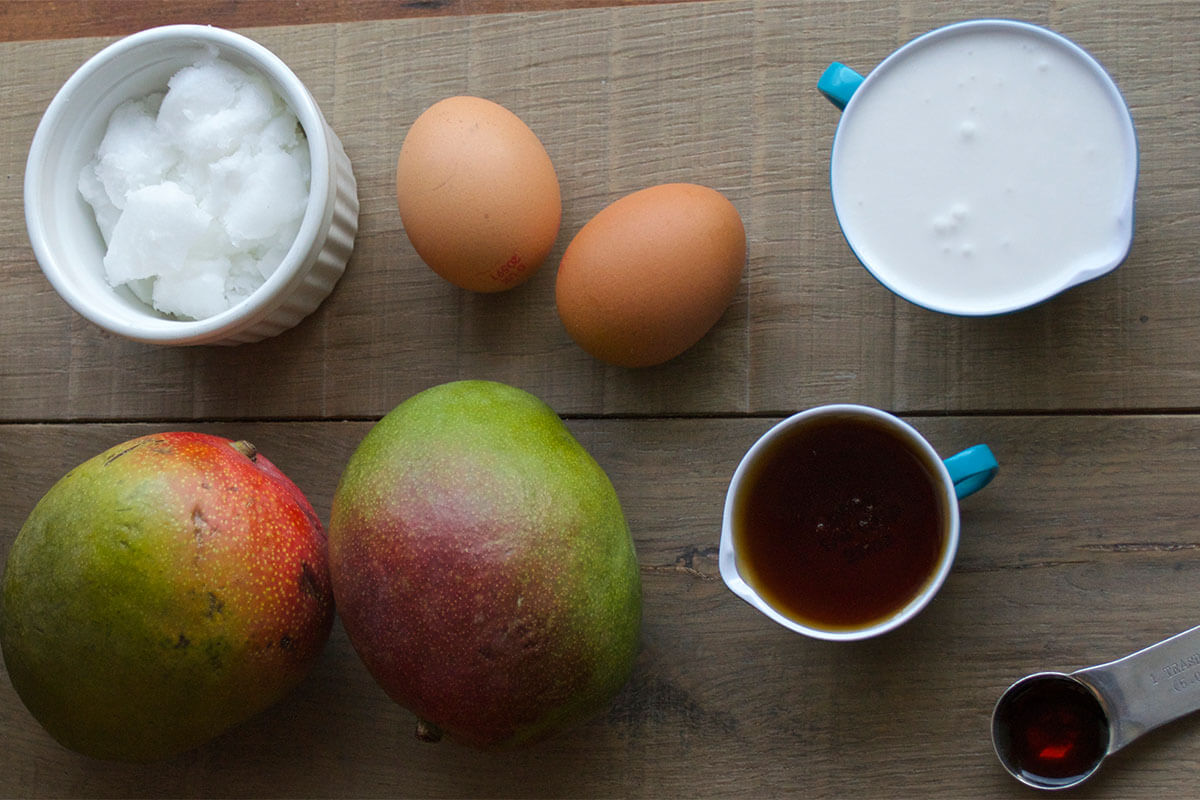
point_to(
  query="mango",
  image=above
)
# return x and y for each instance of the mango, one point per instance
(483, 567)
(162, 592)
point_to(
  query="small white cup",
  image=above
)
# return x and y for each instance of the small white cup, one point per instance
(62, 226)
(983, 167)
(955, 477)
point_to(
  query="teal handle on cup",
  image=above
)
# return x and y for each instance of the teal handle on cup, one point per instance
(972, 469)
(838, 83)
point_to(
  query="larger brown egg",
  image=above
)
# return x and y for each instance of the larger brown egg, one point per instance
(650, 274)
(478, 195)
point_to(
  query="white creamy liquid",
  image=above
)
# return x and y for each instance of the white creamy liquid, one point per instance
(985, 169)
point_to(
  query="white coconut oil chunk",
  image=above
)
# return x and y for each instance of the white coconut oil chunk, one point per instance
(199, 192)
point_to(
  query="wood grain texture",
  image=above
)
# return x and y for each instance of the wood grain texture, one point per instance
(719, 93)
(22, 20)
(1082, 550)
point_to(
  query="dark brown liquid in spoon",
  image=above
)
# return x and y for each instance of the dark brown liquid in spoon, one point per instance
(1052, 731)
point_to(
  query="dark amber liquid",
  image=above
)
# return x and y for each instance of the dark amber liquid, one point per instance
(1053, 731)
(840, 525)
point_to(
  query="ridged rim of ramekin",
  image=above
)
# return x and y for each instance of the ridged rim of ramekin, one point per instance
(262, 312)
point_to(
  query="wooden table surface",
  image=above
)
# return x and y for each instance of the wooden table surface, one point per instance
(1085, 548)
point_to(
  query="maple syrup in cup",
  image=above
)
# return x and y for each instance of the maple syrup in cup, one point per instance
(841, 522)
(983, 168)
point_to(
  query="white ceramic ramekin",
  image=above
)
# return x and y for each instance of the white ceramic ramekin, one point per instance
(62, 226)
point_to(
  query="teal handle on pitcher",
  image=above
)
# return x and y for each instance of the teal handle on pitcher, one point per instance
(838, 83)
(972, 469)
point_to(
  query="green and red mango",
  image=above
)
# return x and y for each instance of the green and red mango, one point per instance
(162, 592)
(483, 568)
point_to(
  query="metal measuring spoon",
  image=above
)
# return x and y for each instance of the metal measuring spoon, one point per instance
(1051, 730)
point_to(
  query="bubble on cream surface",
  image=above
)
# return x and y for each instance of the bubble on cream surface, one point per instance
(199, 192)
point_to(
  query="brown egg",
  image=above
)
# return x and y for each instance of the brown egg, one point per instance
(478, 195)
(647, 277)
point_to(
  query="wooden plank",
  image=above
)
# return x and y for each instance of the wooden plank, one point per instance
(22, 20)
(716, 92)
(1082, 550)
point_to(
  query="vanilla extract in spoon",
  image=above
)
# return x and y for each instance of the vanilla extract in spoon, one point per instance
(1052, 730)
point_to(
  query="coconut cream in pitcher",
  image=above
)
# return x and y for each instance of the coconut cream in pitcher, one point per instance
(983, 167)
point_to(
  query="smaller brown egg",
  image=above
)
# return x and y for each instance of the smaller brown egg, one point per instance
(650, 274)
(478, 195)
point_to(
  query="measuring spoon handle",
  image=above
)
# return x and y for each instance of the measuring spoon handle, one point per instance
(1148, 688)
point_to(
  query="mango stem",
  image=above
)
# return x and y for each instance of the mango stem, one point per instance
(245, 448)
(427, 731)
